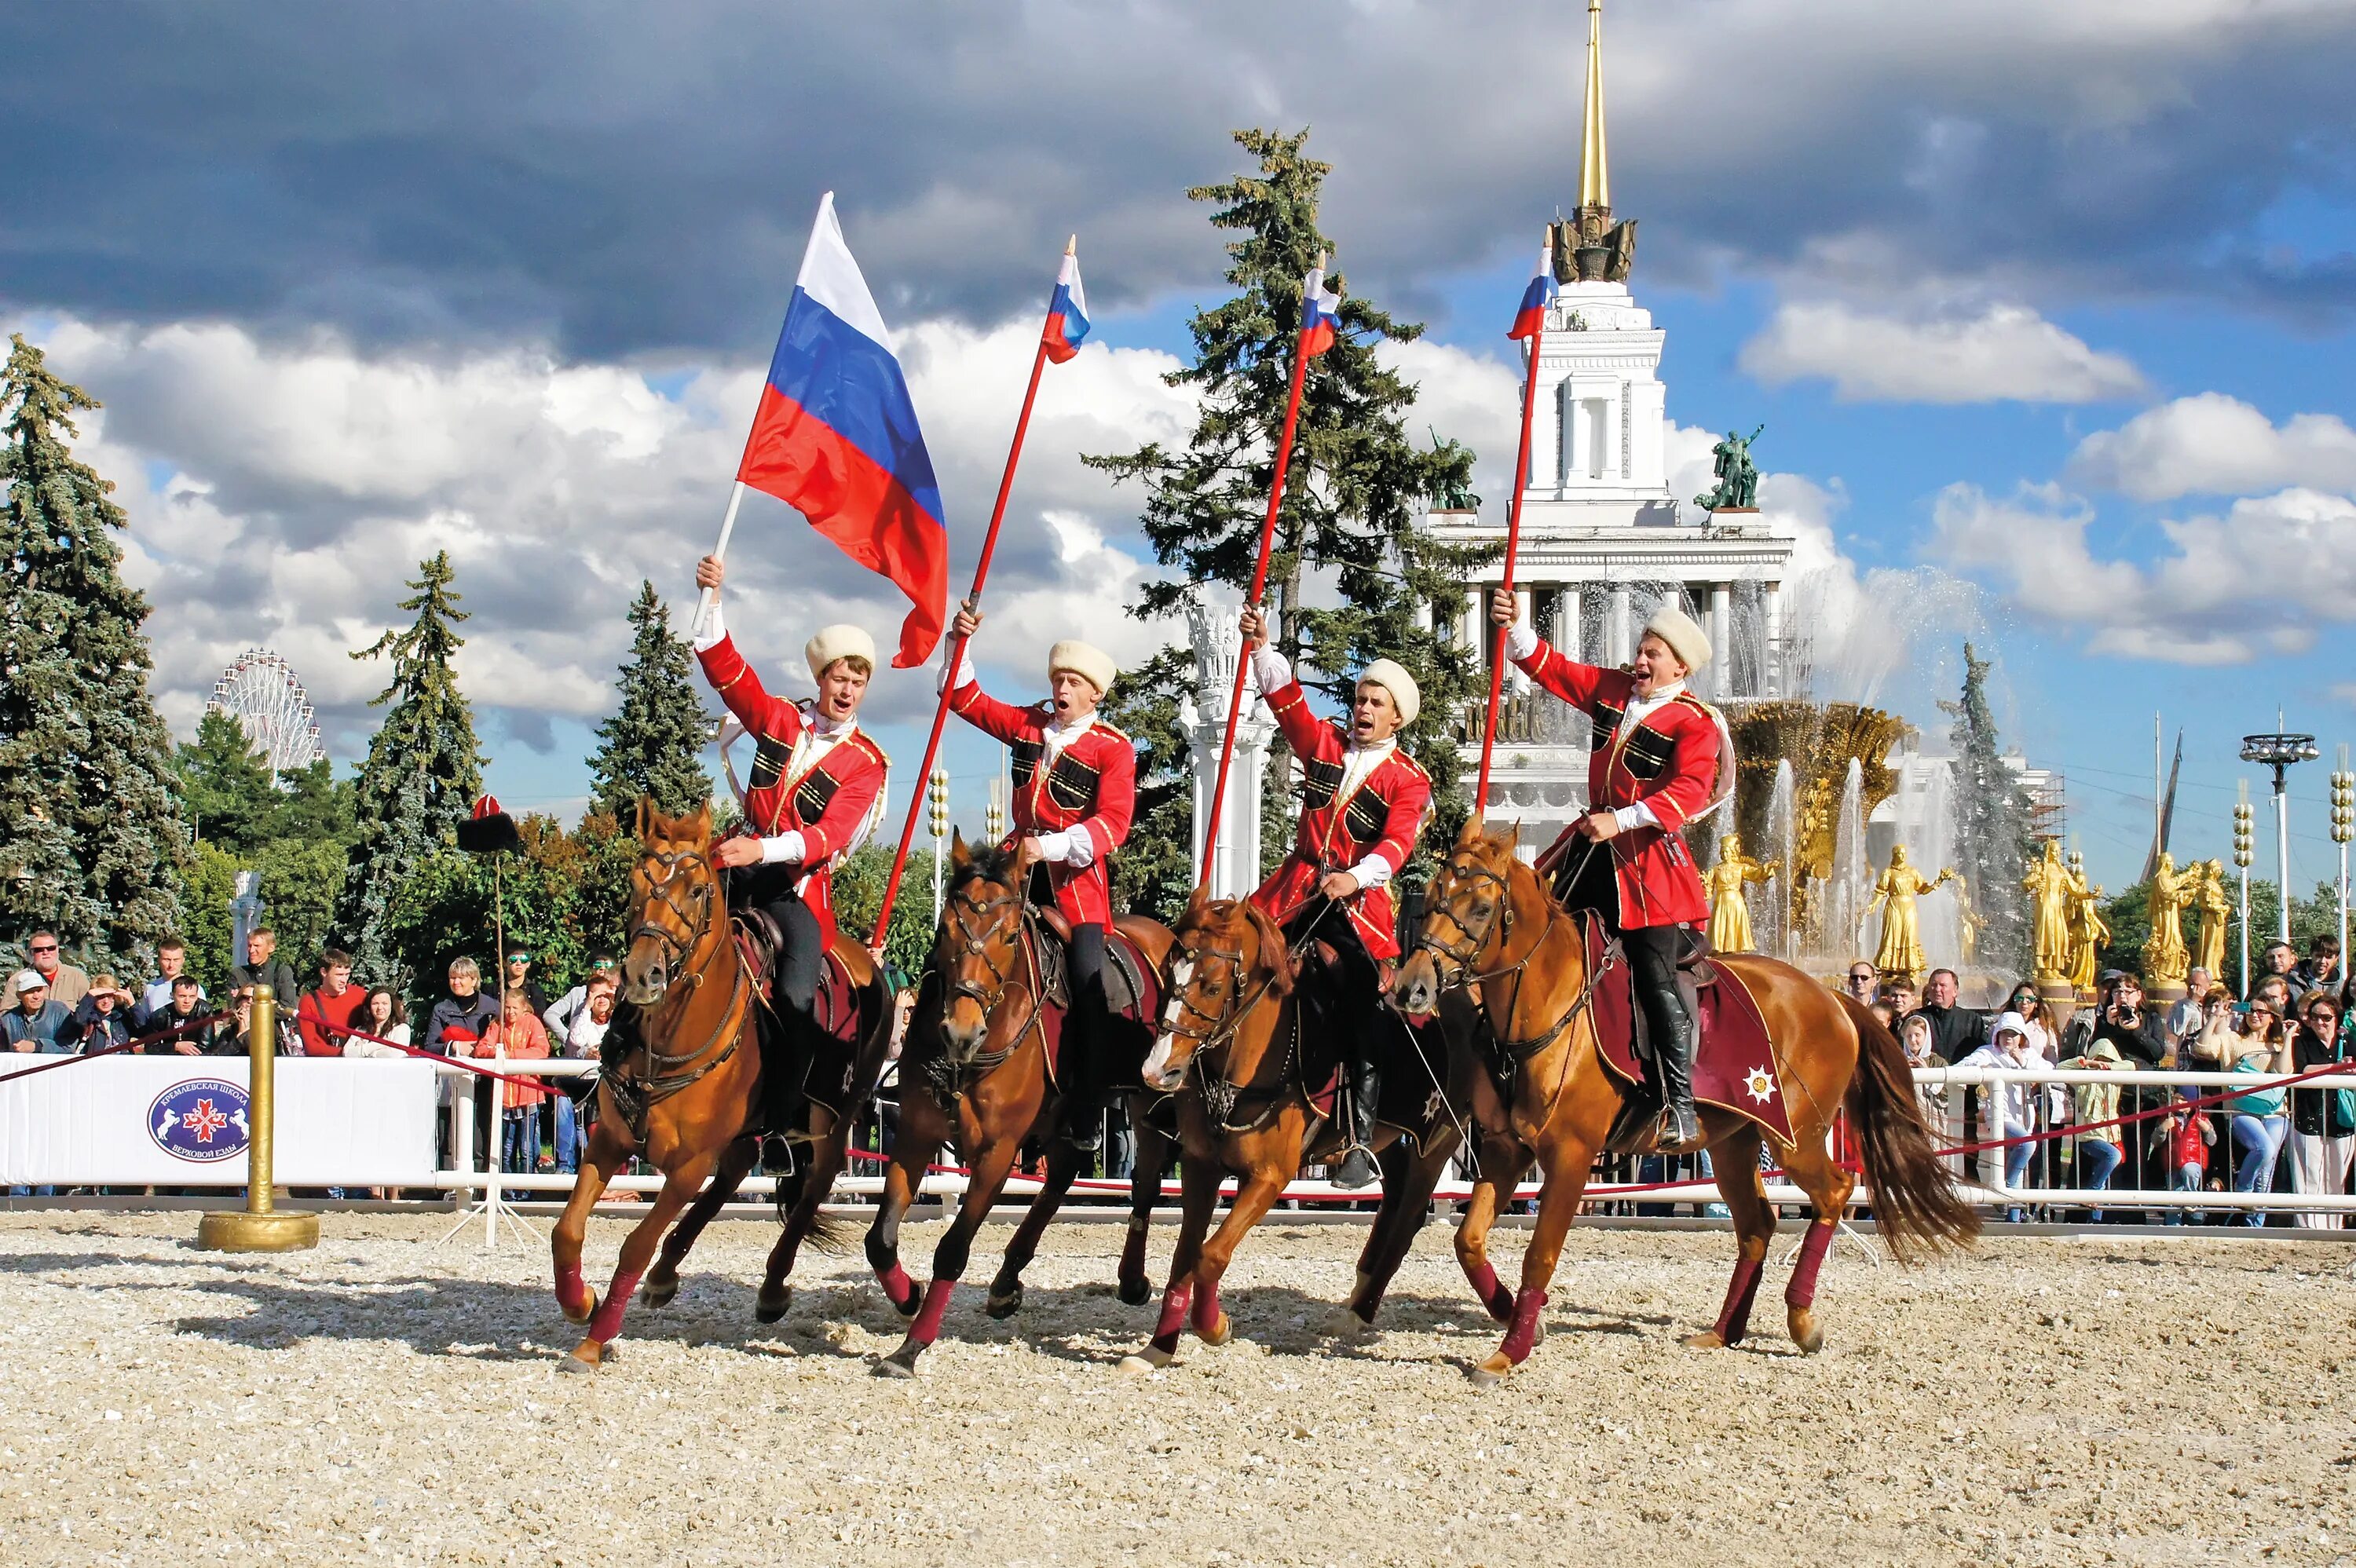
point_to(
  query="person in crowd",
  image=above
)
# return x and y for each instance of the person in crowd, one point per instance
(1915, 1035)
(233, 1036)
(2267, 1047)
(2099, 1149)
(382, 1014)
(187, 1005)
(558, 1014)
(329, 1010)
(2045, 1046)
(262, 963)
(65, 984)
(2213, 1050)
(2189, 1137)
(1955, 1031)
(1862, 979)
(2185, 1017)
(102, 1020)
(2137, 1033)
(519, 973)
(2322, 1121)
(2005, 1107)
(1902, 998)
(519, 1036)
(583, 1035)
(2320, 968)
(459, 1019)
(2274, 993)
(2281, 959)
(171, 963)
(38, 1022)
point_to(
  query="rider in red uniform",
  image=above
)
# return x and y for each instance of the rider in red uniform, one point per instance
(1075, 791)
(1363, 802)
(816, 790)
(1660, 757)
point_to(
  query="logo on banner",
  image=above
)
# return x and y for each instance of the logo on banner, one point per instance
(200, 1121)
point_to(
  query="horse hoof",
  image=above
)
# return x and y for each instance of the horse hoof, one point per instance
(767, 1308)
(900, 1363)
(588, 1307)
(659, 1294)
(1149, 1360)
(1808, 1337)
(576, 1367)
(1707, 1340)
(1006, 1306)
(1219, 1333)
(1491, 1373)
(1136, 1292)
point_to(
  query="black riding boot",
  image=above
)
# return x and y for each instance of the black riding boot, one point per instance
(1670, 1028)
(1357, 1168)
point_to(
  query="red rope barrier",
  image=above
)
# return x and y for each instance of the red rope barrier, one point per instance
(135, 1043)
(346, 1030)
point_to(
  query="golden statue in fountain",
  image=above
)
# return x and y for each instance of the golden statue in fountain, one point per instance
(1730, 912)
(1900, 885)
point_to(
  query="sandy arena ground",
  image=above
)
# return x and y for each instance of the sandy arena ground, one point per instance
(378, 1400)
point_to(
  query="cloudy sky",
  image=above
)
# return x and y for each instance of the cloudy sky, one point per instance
(2047, 309)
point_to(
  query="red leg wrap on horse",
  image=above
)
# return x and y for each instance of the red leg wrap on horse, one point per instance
(570, 1294)
(896, 1283)
(1491, 1290)
(927, 1326)
(1802, 1291)
(1524, 1333)
(1734, 1317)
(1207, 1308)
(1132, 1253)
(1174, 1318)
(606, 1325)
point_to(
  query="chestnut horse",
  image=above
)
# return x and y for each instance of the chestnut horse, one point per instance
(974, 1065)
(1232, 1039)
(1489, 923)
(689, 1097)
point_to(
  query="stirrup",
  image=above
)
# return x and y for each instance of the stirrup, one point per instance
(1672, 1137)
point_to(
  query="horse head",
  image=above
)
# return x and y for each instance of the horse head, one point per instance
(979, 945)
(674, 899)
(1224, 954)
(1467, 916)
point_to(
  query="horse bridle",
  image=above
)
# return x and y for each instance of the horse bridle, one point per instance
(1219, 1093)
(676, 863)
(1463, 954)
(987, 999)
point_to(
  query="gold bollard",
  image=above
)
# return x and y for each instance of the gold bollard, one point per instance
(259, 1227)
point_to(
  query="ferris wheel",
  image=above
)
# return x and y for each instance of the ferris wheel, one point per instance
(262, 692)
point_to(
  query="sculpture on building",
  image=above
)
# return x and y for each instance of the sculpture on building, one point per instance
(2216, 913)
(1737, 477)
(1901, 952)
(2050, 887)
(2165, 959)
(1455, 494)
(1730, 912)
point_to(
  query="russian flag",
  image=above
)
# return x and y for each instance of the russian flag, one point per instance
(1530, 320)
(836, 437)
(1320, 313)
(1068, 311)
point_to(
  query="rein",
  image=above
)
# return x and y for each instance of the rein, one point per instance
(952, 1077)
(1220, 1094)
(1466, 952)
(672, 1073)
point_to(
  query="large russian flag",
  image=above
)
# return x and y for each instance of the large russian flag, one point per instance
(1068, 312)
(1320, 313)
(836, 437)
(1530, 319)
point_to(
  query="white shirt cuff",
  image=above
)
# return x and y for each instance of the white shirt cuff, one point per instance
(1373, 871)
(1068, 848)
(1520, 642)
(785, 848)
(1271, 670)
(714, 630)
(1637, 815)
(965, 672)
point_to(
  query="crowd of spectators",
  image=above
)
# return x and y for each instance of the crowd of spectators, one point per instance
(2296, 1019)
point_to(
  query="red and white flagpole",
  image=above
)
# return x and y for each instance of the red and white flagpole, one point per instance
(1513, 547)
(956, 644)
(1258, 585)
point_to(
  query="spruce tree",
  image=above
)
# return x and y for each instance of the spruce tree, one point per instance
(423, 770)
(653, 744)
(225, 784)
(1993, 842)
(1357, 494)
(94, 843)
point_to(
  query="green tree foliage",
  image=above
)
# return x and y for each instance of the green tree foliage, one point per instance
(562, 899)
(1993, 840)
(1155, 872)
(859, 878)
(92, 838)
(654, 743)
(423, 771)
(1356, 500)
(225, 785)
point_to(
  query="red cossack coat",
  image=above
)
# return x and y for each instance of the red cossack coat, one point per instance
(1091, 788)
(1381, 816)
(1669, 762)
(825, 803)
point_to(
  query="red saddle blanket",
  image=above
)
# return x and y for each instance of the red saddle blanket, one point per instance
(1734, 1062)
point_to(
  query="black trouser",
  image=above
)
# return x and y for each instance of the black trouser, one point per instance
(1087, 1074)
(1587, 879)
(770, 888)
(1343, 1002)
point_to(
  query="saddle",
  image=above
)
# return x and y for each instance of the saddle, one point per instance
(802, 1059)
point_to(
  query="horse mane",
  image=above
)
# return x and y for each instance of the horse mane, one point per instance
(1221, 914)
(995, 864)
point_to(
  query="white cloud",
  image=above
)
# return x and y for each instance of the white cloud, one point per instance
(2003, 352)
(2212, 444)
(2257, 580)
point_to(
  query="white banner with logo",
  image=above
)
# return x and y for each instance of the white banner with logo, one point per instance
(182, 1121)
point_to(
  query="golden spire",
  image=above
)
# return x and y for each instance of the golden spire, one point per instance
(1594, 166)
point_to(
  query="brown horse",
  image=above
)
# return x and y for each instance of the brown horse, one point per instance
(689, 1097)
(975, 1066)
(1490, 922)
(1232, 1039)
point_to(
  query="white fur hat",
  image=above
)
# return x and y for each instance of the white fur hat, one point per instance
(1091, 664)
(1393, 678)
(838, 641)
(1682, 633)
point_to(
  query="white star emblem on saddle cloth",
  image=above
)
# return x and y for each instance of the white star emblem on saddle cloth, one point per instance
(1760, 1086)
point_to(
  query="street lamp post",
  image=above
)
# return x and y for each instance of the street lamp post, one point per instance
(939, 792)
(2343, 828)
(2245, 835)
(2278, 752)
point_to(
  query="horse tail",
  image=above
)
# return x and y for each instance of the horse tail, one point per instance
(824, 1231)
(1915, 1200)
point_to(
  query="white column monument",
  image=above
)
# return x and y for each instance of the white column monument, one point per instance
(1203, 713)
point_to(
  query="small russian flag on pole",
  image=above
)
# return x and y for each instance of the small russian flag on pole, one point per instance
(1530, 320)
(1068, 312)
(1320, 313)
